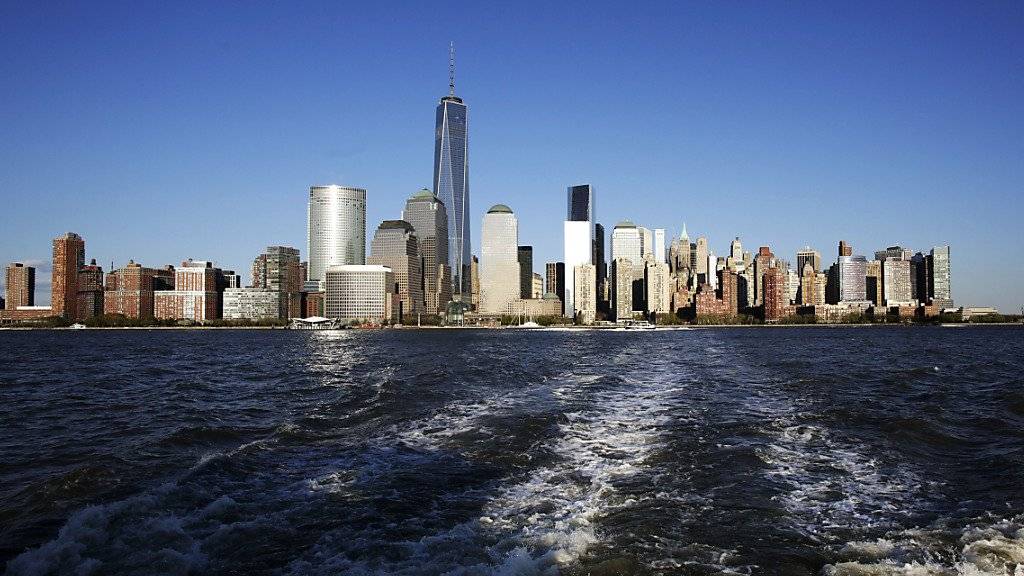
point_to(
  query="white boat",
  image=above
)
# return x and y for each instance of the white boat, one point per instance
(77, 326)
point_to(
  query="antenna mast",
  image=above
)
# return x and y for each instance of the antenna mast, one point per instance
(451, 69)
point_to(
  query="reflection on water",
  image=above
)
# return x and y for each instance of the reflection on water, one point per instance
(791, 451)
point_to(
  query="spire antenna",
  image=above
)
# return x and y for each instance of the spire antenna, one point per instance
(451, 69)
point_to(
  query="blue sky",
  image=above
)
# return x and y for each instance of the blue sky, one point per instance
(161, 131)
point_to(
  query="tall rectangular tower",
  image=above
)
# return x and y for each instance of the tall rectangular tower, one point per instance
(451, 178)
(68, 258)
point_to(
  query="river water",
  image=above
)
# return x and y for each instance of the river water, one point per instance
(791, 451)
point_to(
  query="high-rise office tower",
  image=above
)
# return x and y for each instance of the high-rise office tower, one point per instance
(845, 249)
(701, 264)
(578, 238)
(896, 287)
(580, 204)
(627, 243)
(805, 255)
(939, 290)
(873, 282)
(554, 280)
(499, 260)
(359, 293)
(395, 246)
(646, 242)
(20, 286)
(429, 218)
(659, 245)
(852, 277)
(600, 264)
(898, 252)
(525, 255)
(451, 178)
(336, 228)
(68, 259)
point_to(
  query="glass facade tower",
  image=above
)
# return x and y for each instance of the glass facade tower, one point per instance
(451, 184)
(336, 229)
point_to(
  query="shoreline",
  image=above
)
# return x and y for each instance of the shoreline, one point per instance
(561, 328)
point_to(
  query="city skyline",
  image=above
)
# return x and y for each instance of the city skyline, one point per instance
(917, 204)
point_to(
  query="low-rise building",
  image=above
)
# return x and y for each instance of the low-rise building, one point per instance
(360, 293)
(252, 303)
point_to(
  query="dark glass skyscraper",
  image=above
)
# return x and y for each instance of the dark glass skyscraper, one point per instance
(451, 180)
(581, 204)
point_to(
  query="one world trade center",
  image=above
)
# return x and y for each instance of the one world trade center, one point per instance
(451, 179)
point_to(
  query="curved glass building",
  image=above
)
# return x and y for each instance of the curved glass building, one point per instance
(336, 229)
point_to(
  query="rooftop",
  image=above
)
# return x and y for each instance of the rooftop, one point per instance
(500, 209)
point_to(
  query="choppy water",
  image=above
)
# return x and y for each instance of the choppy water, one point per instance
(738, 451)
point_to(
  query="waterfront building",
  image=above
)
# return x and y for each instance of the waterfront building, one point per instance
(360, 292)
(68, 259)
(336, 228)
(129, 291)
(775, 305)
(89, 299)
(622, 287)
(451, 180)
(537, 287)
(852, 279)
(395, 246)
(657, 282)
(429, 218)
(19, 286)
(195, 296)
(939, 290)
(313, 304)
(896, 282)
(585, 293)
(554, 281)
(762, 262)
(253, 303)
(280, 269)
(808, 255)
(873, 282)
(499, 260)
(530, 308)
(525, 257)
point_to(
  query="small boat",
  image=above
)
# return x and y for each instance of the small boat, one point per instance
(77, 326)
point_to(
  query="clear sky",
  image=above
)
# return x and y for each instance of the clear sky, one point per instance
(161, 131)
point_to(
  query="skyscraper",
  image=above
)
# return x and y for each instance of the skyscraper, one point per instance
(20, 286)
(525, 272)
(578, 239)
(939, 290)
(68, 258)
(580, 205)
(852, 277)
(395, 246)
(499, 260)
(554, 280)
(451, 178)
(626, 242)
(278, 269)
(659, 245)
(336, 228)
(805, 255)
(429, 219)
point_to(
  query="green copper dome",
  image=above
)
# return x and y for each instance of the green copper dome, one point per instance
(499, 209)
(625, 224)
(424, 193)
